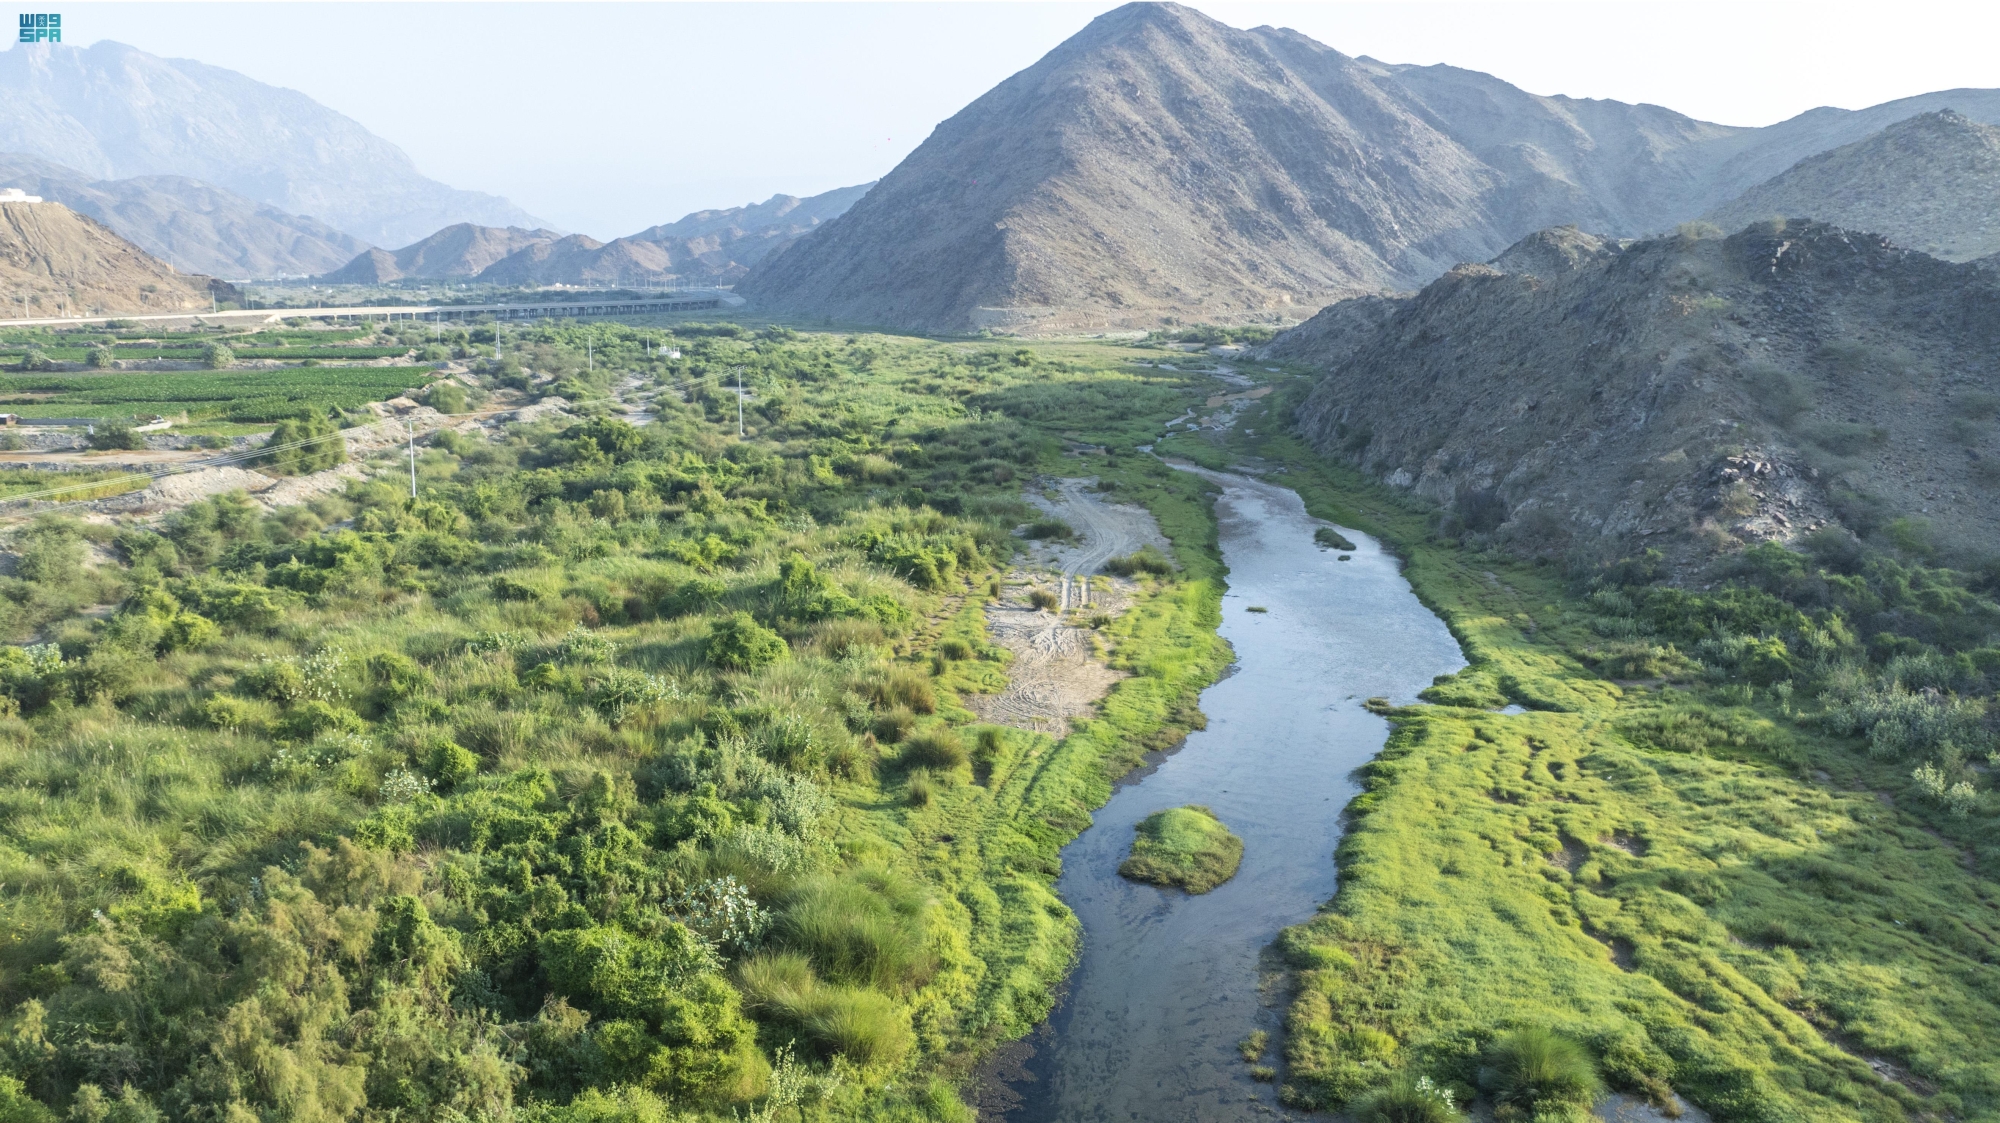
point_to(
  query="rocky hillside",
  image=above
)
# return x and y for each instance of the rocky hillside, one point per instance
(712, 247)
(1582, 396)
(67, 264)
(116, 112)
(459, 251)
(1930, 183)
(1161, 166)
(193, 225)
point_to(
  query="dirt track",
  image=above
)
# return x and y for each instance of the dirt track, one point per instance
(1057, 674)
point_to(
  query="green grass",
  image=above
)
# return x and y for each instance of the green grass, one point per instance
(1708, 887)
(1183, 848)
(256, 395)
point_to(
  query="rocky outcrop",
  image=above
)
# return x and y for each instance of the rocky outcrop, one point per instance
(1687, 393)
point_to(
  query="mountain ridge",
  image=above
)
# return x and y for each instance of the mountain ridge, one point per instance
(58, 262)
(1159, 167)
(115, 112)
(196, 225)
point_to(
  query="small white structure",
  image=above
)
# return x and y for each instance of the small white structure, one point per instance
(16, 195)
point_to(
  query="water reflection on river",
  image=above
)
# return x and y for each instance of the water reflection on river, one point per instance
(1167, 984)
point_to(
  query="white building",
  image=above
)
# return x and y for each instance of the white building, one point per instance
(16, 195)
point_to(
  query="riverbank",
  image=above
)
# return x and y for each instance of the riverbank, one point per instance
(1757, 916)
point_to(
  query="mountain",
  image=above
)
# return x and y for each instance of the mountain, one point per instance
(713, 247)
(1589, 397)
(582, 260)
(193, 225)
(1931, 182)
(68, 264)
(786, 214)
(116, 112)
(460, 251)
(1162, 166)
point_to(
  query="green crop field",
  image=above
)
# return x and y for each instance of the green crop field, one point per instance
(252, 395)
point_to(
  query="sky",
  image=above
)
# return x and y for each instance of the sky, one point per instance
(608, 118)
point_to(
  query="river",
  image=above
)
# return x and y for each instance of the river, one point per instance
(1167, 984)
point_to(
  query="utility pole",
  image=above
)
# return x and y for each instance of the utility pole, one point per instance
(413, 456)
(739, 403)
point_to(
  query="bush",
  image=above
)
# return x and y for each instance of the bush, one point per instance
(937, 749)
(1409, 1099)
(100, 358)
(1146, 559)
(298, 446)
(907, 687)
(894, 725)
(864, 927)
(923, 788)
(216, 356)
(1048, 528)
(1043, 600)
(36, 359)
(739, 643)
(446, 397)
(1536, 1072)
(955, 649)
(114, 436)
(861, 1024)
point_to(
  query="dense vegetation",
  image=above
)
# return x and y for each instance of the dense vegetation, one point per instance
(584, 787)
(1738, 848)
(1183, 847)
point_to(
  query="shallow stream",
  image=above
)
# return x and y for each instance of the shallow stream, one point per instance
(1167, 984)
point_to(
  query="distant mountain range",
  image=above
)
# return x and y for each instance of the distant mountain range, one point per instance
(1162, 166)
(115, 112)
(712, 247)
(197, 227)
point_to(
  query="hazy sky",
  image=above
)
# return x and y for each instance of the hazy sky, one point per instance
(607, 118)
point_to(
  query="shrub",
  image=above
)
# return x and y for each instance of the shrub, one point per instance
(1043, 600)
(114, 436)
(861, 1024)
(1048, 528)
(99, 358)
(865, 927)
(36, 359)
(937, 749)
(1536, 1072)
(1409, 1099)
(301, 445)
(907, 687)
(893, 725)
(955, 649)
(446, 397)
(739, 643)
(216, 356)
(923, 788)
(449, 763)
(1146, 559)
